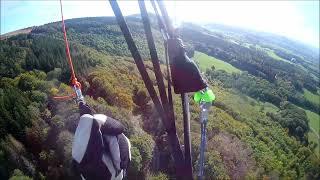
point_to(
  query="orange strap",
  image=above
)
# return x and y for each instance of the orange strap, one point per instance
(65, 97)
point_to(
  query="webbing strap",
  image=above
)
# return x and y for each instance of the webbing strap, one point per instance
(169, 79)
(166, 102)
(167, 20)
(165, 35)
(184, 97)
(161, 24)
(136, 56)
(167, 106)
(154, 55)
(168, 123)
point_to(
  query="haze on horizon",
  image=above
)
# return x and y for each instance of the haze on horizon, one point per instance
(297, 20)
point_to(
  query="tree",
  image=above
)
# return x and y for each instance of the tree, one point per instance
(214, 167)
(64, 146)
(159, 176)
(213, 67)
(294, 119)
(144, 144)
(18, 175)
(141, 99)
(27, 82)
(136, 163)
(14, 113)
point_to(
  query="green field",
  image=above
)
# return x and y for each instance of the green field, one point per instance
(246, 106)
(314, 120)
(314, 138)
(315, 98)
(314, 123)
(272, 54)
(206, 61)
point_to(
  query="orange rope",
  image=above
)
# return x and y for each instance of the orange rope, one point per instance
(74, 80)
(73, 76)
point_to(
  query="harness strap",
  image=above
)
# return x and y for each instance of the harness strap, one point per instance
(169, 80)
(136, 56)
(161, 24)
(166, 18)
(165, 36)
(155, 60)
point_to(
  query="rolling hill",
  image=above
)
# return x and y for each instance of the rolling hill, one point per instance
(206, 61)
(258, 127)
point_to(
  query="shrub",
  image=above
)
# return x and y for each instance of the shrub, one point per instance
(18, 175)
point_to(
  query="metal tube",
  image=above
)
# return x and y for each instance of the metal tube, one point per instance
(202, 150)
(205, 106)
(187, 137)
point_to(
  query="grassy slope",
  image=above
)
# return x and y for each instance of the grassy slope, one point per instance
(314, 119)
(272, 54)
(314, 138)
(206, 61)
(314, 123)
(315, 98)
(247, 106)
(241, 103)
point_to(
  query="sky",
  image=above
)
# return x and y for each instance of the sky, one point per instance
(298, 20)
